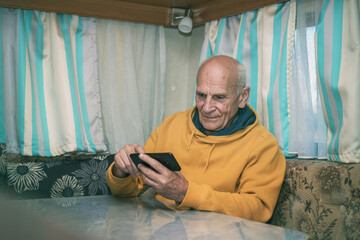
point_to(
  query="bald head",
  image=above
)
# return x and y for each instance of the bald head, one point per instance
(228, 66)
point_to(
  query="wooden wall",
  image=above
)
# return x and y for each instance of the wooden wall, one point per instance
(156, 12)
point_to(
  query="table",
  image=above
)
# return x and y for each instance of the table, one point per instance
(109, 217)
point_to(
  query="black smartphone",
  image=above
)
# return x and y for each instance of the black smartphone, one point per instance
(166, 159)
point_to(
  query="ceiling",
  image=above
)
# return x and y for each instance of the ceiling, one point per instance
(156, 12)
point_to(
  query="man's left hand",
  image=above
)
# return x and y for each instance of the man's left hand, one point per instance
(169, 184)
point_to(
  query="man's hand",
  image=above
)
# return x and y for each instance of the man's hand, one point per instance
(123, 163)
(169, 184)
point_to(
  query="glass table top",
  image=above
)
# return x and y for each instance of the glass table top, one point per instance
(109, 217)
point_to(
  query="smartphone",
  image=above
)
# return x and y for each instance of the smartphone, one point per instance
(166, 159)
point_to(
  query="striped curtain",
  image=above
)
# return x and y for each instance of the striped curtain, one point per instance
(2, 114)
(49, 84)
(263, 41)
(337, 42)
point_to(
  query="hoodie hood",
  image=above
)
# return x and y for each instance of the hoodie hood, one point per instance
(244, 118)
(247, 119)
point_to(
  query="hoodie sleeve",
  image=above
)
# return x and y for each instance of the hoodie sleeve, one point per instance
(124, 187)
(257, 192)
(129, 186)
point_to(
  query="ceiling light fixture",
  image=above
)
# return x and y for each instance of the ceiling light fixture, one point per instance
(181, 18)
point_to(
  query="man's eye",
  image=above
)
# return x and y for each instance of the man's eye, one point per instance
(201, 95)
(219, 97)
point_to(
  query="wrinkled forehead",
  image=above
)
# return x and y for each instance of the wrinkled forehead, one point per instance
(217, 74)
(214, 83)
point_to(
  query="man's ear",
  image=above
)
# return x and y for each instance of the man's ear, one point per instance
(244, 95)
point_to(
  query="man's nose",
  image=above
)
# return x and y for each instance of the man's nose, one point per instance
(208, 104)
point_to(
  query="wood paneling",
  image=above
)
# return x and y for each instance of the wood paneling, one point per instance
(142, 11)
(218, 9)
(110, 9)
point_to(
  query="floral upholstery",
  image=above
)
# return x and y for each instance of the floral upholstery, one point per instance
(2, 166)
(320, 198)
(59, 177)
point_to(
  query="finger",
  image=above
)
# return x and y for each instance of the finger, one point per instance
(155, 164)
(133, 148)
(145, 175)
(117, 170)
(138, 148)
(118, 161)
(132, 167)
(154, 179)
(128, 164)
(149, 172)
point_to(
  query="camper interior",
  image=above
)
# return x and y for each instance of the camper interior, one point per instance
(281, 43)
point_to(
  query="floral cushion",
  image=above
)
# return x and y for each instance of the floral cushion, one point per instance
(56, 178)
(320, 198)
(3, 179)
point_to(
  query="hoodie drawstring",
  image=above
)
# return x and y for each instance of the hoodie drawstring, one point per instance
(189, 145)
(190, 140)
(208, 158)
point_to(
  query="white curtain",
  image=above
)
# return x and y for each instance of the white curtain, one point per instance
(132, 80)
(49, 84)
(308, 128)
(182, 59)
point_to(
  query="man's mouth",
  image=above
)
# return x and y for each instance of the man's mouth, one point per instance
(209, 117)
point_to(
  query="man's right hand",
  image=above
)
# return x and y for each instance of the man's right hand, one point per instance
(123, 163)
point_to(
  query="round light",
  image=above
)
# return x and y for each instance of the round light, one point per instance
(185, 25)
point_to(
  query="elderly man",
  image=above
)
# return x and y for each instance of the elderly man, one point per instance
(230, 163)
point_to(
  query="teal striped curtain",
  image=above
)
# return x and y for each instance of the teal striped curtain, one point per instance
(2, 115)
(263, 41)
(337, 42)
(50, 101)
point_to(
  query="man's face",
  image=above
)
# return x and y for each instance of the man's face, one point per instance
(216, 97)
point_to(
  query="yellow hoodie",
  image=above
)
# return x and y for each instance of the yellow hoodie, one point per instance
(239, 174)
